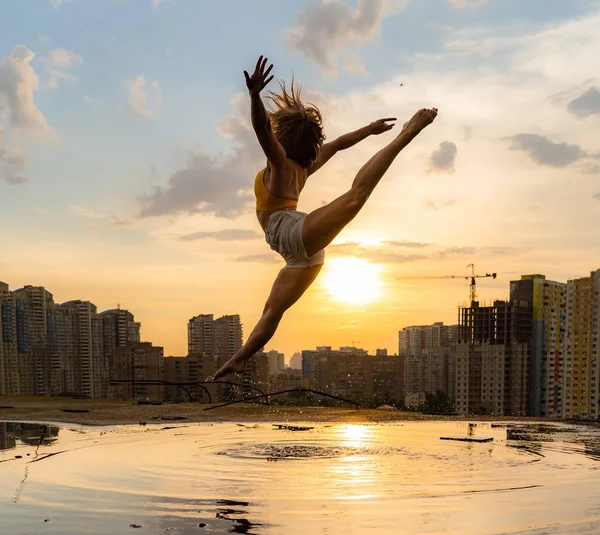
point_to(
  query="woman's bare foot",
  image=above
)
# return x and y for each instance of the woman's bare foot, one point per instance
(233, 365)
(421, 119)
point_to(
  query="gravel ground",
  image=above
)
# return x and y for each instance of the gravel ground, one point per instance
(114, 412)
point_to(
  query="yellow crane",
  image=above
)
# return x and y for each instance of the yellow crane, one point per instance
(472, 276)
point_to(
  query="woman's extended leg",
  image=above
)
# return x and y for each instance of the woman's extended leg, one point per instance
(325, 223)
(289, 286)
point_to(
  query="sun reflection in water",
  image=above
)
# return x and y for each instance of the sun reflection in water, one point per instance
(354, 436)
(354, 475)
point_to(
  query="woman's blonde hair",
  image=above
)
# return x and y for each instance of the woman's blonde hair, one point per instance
(298, 127)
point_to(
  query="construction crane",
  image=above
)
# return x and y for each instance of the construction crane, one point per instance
(472, 276)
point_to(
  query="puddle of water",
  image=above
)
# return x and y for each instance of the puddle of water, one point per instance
(340, 479)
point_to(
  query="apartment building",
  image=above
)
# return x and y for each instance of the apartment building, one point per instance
(581, 397)
(141, 366)
(548, 307)
(496, 379)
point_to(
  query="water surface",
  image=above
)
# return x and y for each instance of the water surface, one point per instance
(332, 479)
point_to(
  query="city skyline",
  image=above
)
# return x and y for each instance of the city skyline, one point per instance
(534, 354)
(127, 160)
(374, 348)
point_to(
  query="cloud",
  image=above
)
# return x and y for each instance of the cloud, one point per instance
(596, 196)
(406, 244)
(444, 158)
(220, 186)
(12, 163)
(485, 251)
(104, 214)
(385, 252)
(56, 4)
(586, 104)
(156, 3)
(590, 168)
(436, 207)
(545, 152)
(144, 102)
(467, 46)
(58, 62)
(18, 82)
(323, 31)
(203, 185)
(90, 213)
(63, 58)
(259, 258)
(462, 4)
(354, 64)
(394, 252)
(231, 234)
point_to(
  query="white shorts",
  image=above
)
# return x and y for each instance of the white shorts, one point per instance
(284, 235)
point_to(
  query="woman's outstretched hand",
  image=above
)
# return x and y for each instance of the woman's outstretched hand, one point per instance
(258, 81)
(381, 125)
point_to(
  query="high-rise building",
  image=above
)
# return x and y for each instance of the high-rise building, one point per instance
(200, 335)
(276, 362)
(387, 377)
(354, 374)
(118, 329)
(581, 397)
(141, 366)
(480, 369)
(287, 379)
(200, 367)
(90, 373)
(256, 373)
(227, 333)
(176, 372)
(9, 374)
(296, 361)
(51, 349)
(548, 302)
(426, 350)
(220, 338)
(31, 311)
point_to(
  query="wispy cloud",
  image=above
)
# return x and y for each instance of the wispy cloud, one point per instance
(259, 258)
(56, 4)
(218, 186)
(546, 152)
(63, 58)
(464, 4)
(57, 65)
(12, 163)
(436, 206)
(394, 252)
(90, 213)
(144, 101)
(232, 234)
(324, 31)
(156, 3)
(385, 252)
(586, 104)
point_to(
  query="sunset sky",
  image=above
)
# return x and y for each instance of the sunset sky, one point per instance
(127, 159)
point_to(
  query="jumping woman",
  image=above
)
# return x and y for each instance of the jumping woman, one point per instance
(292, 140)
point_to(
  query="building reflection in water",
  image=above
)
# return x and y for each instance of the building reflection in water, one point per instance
(12, 433)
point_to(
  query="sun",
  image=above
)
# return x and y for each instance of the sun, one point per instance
(353, 280)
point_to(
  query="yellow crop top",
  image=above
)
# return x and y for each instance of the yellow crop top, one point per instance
(265, 202)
